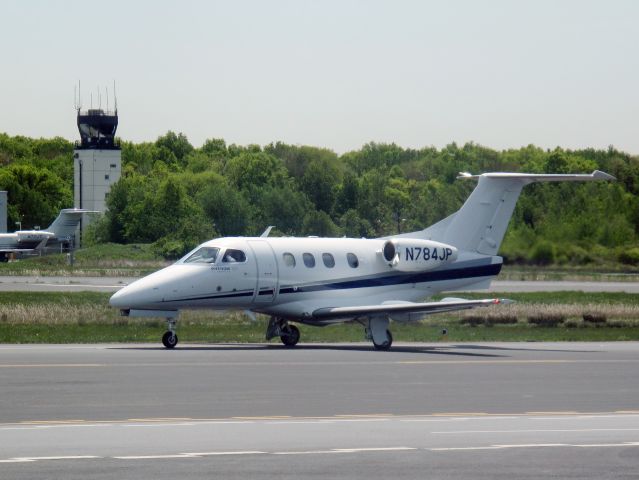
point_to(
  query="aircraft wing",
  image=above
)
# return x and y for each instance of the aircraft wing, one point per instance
(445, 305)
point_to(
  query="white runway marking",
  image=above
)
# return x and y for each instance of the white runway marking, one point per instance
(36, 459)
(211, 454)
(74, 285)
(334, 451)
(534, 445)
(338, 419)
(152, 457)
(543, 430)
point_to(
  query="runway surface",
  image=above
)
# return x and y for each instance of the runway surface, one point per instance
(503, 410)
(10, 283)
(112, 284)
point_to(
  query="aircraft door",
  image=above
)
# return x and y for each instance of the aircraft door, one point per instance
(266, 271)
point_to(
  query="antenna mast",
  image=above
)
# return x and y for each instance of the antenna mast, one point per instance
(115, 98)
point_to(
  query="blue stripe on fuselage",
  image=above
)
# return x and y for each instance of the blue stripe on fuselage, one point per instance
(401, 279)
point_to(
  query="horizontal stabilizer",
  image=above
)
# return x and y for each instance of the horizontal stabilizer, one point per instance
(544, 177)
(480, 224)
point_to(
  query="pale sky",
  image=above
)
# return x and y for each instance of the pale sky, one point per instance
(333, 74)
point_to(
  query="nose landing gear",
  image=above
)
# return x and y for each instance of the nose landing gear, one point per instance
(170, 339)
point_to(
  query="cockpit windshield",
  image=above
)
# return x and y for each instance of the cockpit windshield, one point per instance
(203, 255)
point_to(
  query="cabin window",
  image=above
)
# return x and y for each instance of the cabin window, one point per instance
(234, 256)
(289, 259)
(352, 260)
(328, 259)
(203, 255)
(309, 260)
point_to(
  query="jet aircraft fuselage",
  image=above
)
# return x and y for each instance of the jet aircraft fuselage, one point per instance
(318, 281)
(293, 277)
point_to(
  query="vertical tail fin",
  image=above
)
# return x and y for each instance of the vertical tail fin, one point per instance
(64, 226)
(480, 224)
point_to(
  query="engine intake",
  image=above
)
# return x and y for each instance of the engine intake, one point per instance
(415, 255)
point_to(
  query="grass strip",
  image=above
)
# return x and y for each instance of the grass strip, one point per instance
(85, 317)
(254, 333)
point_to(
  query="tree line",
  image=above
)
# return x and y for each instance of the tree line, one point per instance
(175, 195)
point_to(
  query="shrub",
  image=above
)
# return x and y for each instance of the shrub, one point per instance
(546, 319)
(543, 253)
(472, 320)
(502, 319)
(629, 256)
(489, 321)
(577, 255)
(598, 318)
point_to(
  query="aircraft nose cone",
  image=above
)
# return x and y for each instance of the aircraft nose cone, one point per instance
(120, 299)
(135, 295)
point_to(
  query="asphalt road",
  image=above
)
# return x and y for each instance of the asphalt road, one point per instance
(112, 284)
(557, 410)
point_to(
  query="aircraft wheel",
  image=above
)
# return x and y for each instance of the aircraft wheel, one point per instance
(290, 336)
(385, 345)
(169, 340)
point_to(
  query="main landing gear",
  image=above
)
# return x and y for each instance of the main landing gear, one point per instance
(377, 331)
(170, 339)
(278, 327)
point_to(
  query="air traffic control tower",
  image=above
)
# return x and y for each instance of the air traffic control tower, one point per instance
(97, 160)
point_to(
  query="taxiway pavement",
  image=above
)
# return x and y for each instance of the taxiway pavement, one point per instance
(499, 410)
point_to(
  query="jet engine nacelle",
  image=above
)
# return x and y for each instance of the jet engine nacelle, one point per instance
(33, 235)
(415, 255)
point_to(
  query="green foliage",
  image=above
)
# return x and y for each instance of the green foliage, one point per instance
(175, 195)
(543, 253)
(629, 256)
(250, 171)
(226, 207)
(35, 196)
(319, 183)
(177, 144)
(355, 226)
(319, 224)
(283, 207)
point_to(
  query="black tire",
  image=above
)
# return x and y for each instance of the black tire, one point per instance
(386, 345)
(291, 336)
(169, 340)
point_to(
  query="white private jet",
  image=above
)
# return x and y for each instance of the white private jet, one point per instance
(321, 281)
(28, 241)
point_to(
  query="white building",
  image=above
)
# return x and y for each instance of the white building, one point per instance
(97, 161)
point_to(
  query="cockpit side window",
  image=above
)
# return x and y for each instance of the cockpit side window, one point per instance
(234, 256)
(204, 255)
